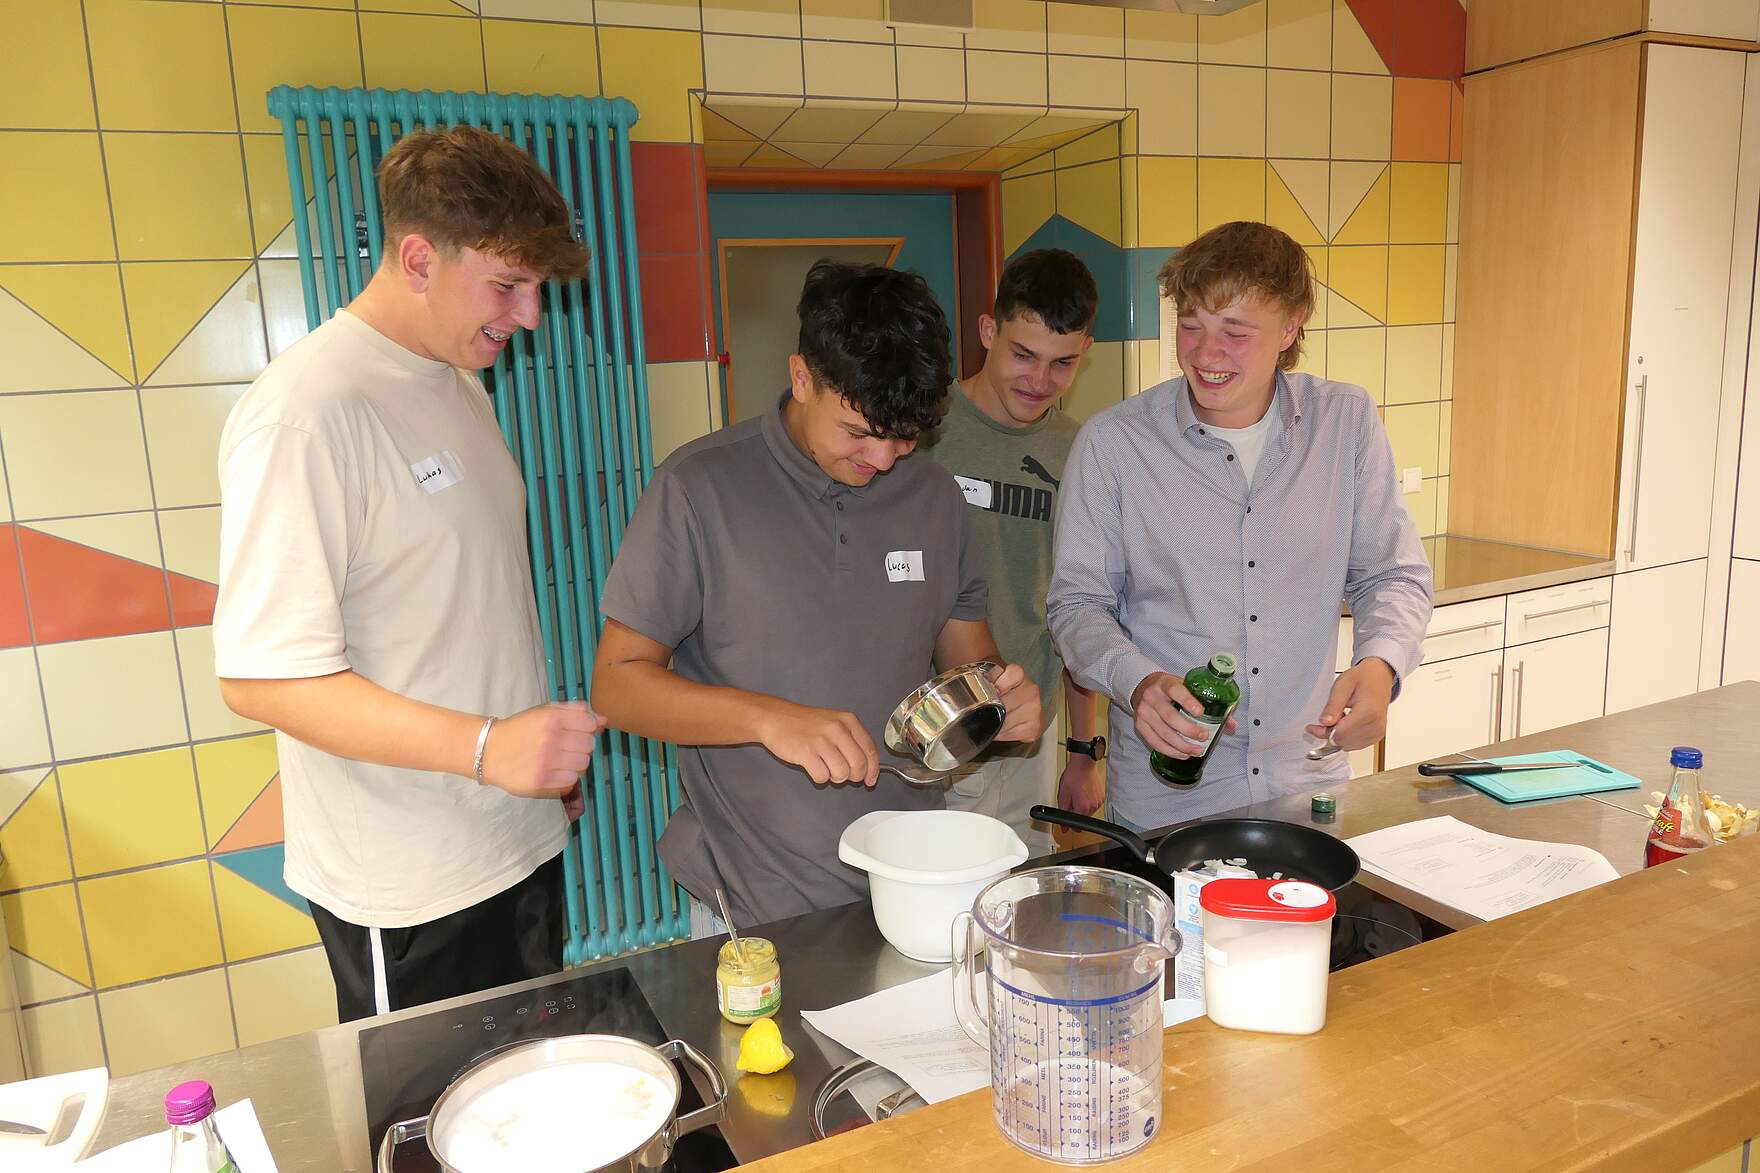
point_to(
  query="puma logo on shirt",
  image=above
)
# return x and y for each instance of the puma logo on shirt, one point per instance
(1012, 500)
(1029, 465)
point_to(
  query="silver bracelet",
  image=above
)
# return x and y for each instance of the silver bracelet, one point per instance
(482, 744)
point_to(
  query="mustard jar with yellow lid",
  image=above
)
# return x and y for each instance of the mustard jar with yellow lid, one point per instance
(748, 980)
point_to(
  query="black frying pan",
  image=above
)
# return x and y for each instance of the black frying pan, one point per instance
(1268, 846)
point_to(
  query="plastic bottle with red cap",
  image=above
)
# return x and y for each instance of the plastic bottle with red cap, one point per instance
(196, 1146)
(1267, 951)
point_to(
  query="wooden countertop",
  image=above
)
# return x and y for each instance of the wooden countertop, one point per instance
(1615, 1029)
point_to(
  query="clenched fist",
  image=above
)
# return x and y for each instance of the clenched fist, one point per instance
(542, 752)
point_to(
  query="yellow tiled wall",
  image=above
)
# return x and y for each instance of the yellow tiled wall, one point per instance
(1285, 112)
(147, 274)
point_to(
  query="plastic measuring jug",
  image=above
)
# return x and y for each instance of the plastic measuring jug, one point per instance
(1069, 1005)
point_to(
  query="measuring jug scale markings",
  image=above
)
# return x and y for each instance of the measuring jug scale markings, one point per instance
(1074, 981)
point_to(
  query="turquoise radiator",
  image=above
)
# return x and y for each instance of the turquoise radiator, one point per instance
(572, 399)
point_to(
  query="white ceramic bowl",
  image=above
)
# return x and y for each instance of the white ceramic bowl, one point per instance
(924, 867)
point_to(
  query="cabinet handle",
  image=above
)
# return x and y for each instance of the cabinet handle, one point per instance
(1637, 470)
(1496, 703)
(1464, 630)
(1565, 610)
(1517, 707)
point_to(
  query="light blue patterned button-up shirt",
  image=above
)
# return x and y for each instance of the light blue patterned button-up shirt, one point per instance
(1164, 555)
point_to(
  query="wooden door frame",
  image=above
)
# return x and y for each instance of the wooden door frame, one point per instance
(895, 245)
(977, 227)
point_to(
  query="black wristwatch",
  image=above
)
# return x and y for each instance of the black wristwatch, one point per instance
(1095, 749)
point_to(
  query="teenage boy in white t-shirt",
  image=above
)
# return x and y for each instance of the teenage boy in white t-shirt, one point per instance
(376, 602)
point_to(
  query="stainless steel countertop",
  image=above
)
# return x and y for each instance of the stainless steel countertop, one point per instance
(307, 1089)
(1469, 568)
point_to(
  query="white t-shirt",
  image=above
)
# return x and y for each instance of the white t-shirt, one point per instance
(1248, 442)
(372, 519)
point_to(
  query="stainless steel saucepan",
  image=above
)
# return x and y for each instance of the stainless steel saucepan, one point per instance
(949, 721)
(587, 1127)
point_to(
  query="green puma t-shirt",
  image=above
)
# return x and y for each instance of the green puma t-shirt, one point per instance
(1010, 477)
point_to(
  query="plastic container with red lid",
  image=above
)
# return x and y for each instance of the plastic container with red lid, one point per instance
(1267, 944)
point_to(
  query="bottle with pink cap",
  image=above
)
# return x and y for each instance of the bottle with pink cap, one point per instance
(196, 1146)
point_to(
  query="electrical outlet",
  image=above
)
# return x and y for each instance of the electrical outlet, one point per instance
(1412, 480)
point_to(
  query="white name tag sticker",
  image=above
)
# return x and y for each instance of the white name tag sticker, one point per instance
(978, 493)
(904, 566)
(441, 471)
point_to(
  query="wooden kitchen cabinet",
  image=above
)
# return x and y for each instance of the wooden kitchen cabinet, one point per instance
(1598, 210)
(1653, 649)
(1444, 707)
(1503, 31)
(1554, 682)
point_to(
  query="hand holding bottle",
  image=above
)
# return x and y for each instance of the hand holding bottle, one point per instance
(1161, 706)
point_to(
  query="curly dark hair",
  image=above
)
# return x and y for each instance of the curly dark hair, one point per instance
(1054, 286)
(878, 338)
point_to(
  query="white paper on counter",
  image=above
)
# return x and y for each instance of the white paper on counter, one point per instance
(1478, 872)
(151, 1154)
(911, 1031)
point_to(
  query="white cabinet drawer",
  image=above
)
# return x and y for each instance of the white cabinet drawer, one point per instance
(1554, 682)
(1464, 629)
(1445, 708)
(1562, 610)
(1346, 634)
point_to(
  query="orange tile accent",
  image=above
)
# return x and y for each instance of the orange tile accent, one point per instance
(260, 825)
(15, 628)
(192, 600)
(1421, 119)
(78, 592)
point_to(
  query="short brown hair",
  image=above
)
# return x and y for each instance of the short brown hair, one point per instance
(1237, 259)
(466, 188)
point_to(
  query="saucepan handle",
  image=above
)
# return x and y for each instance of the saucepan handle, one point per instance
(395, 1135)
(710, 1113)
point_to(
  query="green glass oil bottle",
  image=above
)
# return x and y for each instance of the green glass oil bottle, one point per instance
(1214, 686)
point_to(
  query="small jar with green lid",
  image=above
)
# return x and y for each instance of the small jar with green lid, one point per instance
(748, 981)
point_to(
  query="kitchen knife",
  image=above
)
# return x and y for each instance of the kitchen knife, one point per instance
(1477, 769)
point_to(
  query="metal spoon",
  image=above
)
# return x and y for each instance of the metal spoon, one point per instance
(917, 775)
(739, 950)
(1325, 750)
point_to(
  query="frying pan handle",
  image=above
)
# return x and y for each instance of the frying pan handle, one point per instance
(1062, 818)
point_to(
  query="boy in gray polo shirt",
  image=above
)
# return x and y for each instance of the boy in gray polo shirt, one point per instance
(783, 584)
(1005, 441)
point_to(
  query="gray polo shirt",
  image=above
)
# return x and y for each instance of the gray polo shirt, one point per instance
(765, 574)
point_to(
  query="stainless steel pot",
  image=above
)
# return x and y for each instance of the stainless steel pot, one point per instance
(520, 1059)
(950, 720)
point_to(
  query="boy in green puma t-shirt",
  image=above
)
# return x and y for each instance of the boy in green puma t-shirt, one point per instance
(1005, 441)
